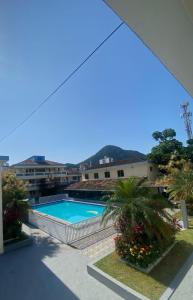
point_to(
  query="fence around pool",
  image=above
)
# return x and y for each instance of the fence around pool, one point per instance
(64, 231)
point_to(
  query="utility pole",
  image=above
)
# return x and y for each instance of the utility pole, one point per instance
(187, 116)
(3, 160)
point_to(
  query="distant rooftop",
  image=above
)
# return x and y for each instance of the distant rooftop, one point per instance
(102, 185)
(37, 160)
(94, 185)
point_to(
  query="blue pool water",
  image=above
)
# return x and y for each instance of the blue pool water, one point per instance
(71, 211)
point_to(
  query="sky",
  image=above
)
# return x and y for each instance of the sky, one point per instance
(119, 97)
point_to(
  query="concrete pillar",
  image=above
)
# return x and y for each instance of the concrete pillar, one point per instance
(3, 159)
(184, 213)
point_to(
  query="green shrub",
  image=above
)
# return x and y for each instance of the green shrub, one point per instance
(142, 221)
(14, 209)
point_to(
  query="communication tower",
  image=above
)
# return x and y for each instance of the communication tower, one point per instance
(187, 116)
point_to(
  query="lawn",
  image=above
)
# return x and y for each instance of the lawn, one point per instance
(155, 283)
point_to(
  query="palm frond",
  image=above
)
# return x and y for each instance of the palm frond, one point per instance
(139, 205)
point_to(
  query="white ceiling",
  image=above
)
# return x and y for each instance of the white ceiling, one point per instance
(166, 27)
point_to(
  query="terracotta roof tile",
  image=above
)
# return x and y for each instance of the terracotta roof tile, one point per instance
(96, 185)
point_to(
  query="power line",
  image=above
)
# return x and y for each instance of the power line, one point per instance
(60, 85)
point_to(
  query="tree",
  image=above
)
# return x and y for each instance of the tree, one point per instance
(188, 151)
(168, 134)
(141, 220)
(13, 191)
(160, 155)
(139, 205)
(190, 142)
(181, 189)
(168, 145)
(175, 163)
(157, 135)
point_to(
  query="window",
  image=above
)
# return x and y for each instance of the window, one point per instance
(151, 169)
(96, 175)
(107, 174)
(86, 176)
(120, 173)
(40, 170)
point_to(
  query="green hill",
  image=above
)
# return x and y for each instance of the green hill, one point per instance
(116, 153)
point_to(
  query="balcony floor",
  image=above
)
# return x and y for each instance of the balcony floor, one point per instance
(49, 270)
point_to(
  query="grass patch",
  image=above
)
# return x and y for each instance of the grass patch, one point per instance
(154, 284)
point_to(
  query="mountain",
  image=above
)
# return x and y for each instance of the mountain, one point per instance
(116, 153)
(69, 165)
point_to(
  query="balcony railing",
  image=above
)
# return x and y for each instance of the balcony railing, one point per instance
(34, 174)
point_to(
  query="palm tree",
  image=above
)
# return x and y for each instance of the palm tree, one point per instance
(181, 189)
(139, 205)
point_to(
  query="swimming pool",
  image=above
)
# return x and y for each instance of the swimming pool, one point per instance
(71, 211)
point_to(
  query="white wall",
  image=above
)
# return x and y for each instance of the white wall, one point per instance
(141, 169)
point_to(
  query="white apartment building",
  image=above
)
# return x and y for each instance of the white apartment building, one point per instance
(38, 173)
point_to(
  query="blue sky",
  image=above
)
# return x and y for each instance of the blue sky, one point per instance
(119, 97)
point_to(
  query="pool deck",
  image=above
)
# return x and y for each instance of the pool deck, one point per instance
(49, 270)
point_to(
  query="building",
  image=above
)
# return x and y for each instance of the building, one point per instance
(101, 180)
(105, 160)
(120, 170)
(44, 177)
(165, 27)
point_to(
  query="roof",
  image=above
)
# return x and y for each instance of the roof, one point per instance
(97, 185)
(33, 163)
(115, 163)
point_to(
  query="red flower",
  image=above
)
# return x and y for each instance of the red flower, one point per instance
(177, 223)
(11, 214)
(138, 228)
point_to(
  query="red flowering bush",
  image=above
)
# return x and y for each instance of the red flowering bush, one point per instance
(12, 223)
(138, 252)
(135, 246)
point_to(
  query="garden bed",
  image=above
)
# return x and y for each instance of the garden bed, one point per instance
(152, 265)
(151, 285)
(16, 243)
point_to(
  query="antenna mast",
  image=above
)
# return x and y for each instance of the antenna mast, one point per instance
(187, 116)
